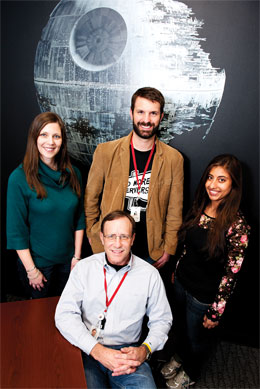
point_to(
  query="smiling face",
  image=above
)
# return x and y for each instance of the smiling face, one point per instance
(49, 142)
(117, 250)
(218, 184)
(146, 117)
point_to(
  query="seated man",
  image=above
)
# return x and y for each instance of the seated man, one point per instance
(102, 307)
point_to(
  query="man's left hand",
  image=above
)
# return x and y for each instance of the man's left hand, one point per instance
(162, 261)
(130, 354)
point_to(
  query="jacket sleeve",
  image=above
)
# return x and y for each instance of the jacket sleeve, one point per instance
(174, 211)
(94, 189)
(237, 242)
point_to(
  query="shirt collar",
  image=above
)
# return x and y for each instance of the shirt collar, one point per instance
(124, 269)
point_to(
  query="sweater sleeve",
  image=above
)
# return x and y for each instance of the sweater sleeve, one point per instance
(80, 215)
(237, 242)
(17, 228)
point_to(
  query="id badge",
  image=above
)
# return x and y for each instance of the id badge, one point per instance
(95, 331)
(135, 213)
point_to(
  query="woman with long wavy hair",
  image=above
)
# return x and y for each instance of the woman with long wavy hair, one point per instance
(45, 216)
(213, 239)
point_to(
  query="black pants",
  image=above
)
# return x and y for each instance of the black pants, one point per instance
(56, 275)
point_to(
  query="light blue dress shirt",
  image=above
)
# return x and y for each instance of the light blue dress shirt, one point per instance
(84, 299)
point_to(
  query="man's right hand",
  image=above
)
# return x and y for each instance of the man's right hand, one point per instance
(112, 360)
(162, 261)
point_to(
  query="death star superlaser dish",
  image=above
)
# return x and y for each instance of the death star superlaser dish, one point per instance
(94, 54)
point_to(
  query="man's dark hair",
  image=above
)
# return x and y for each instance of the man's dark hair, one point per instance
(148, 93)
(118, 215)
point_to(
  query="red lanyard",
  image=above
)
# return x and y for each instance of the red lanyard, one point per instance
(146, 166)
(108, 302)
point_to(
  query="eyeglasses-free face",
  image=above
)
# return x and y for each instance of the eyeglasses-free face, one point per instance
(146, 117)
(218, 184)
(117, 240)
(49, 142)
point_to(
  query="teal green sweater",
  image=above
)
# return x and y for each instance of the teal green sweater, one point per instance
(45, 226)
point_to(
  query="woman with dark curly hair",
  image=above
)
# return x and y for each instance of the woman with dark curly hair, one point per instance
(213, 237)
(45, 216)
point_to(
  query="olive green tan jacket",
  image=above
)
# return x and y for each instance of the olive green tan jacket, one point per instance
(106, 189)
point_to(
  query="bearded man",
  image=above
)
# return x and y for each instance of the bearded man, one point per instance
(142, 176)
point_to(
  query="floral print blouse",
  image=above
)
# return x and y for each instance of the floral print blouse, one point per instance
(237, 242)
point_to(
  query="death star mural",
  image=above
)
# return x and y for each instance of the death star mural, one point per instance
(94, 54)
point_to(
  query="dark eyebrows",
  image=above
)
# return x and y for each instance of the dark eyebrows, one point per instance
(211, 175)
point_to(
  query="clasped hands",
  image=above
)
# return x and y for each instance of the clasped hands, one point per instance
(120, 362)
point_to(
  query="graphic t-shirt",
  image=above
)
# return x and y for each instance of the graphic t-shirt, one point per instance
(132, 199)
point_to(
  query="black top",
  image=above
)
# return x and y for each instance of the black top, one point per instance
(116, 267)
(140, 246)
(199, 274)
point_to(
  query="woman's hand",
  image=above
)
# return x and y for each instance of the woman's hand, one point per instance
(207, 323)
(36, 279)
(74, 262)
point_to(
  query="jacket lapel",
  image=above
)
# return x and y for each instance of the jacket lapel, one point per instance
(124, 156)
(156, 167)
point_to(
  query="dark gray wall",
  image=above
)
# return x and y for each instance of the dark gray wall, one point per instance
(232, 32)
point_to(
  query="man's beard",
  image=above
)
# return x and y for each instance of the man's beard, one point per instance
(145, 134)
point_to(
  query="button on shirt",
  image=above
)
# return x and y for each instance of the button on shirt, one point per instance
(84, 299)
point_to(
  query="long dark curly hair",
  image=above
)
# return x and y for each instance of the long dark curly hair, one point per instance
(227, 209)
